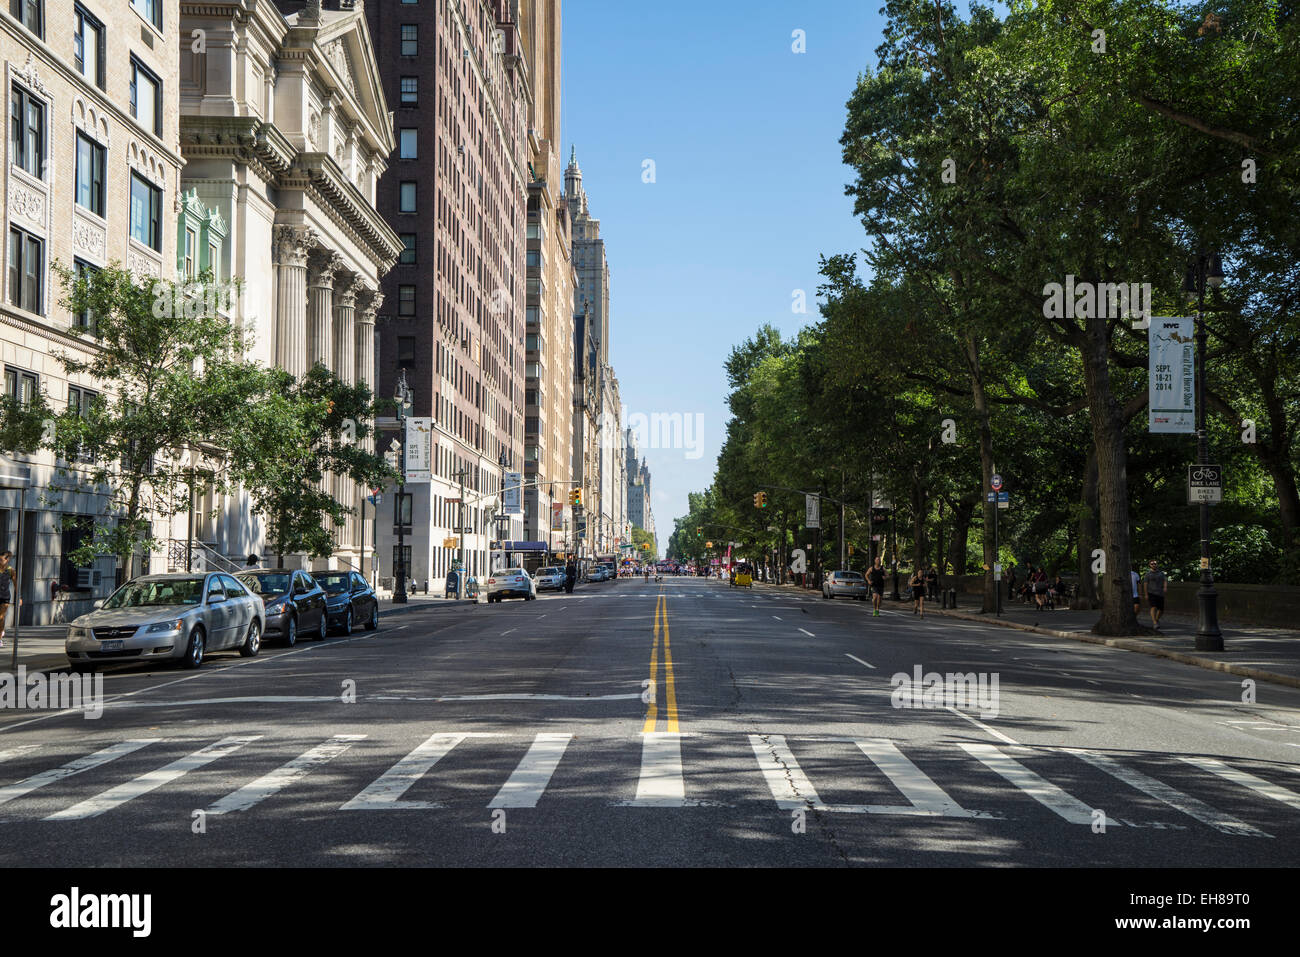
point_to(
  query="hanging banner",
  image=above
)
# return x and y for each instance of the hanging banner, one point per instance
(557, 516)
(511, 492)
(812, 505)
(1172, 374)
(419, 450)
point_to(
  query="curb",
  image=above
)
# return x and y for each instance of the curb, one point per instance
(1134, 644)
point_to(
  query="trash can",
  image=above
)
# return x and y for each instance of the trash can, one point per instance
(950, 598)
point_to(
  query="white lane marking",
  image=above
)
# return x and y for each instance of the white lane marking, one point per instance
(272, 783)
(383, 793)
(807, 632)
(984, 727)
(1041, 790)
(541, 616)
(1163, 792)
(530, 778)
(861, 662)
(790, 787)
(10, 753)
(922, 793)
(1244, 778)
(117, 796)
(661, 783)
(536, 697)
(507, 631)
(254, 699)
(76, 766)
(778, 618)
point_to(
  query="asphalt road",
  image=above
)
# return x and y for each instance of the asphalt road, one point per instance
(521, 734)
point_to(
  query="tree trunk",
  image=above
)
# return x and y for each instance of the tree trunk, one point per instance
(1117, 617)
(919, 505)
(1089, 535)
(960, 536)
(986, 467)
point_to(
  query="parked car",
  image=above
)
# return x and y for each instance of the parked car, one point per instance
(175, 617)
(595, 573)
(845, 583)
(510, 583)
(552, 576)
(611, 571)
(348, 600)
(295, 603)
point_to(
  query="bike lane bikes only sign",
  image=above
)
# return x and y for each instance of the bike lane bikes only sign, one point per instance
(1204, 484)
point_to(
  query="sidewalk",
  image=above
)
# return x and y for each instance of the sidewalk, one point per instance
(40, 647)
(1262, 653)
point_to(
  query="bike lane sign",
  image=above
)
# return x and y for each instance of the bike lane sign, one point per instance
(1204, 484)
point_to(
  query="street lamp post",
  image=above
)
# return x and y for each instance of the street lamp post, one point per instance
(403, 398)
(1205, 269)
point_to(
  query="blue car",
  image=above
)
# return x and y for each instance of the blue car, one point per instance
(349, 600)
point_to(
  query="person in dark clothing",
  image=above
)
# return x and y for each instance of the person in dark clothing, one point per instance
(570, 577)
(876, 579)
(932, 582)
(1011, 581)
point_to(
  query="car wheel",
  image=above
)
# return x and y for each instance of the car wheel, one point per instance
(373, 623)
(347, 621)
(253, 643)
(194, 650)
(323, 632)
(291, 632)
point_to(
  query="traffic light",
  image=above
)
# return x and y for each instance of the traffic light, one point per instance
(758, 500)
(575, 497)
(708, 544)
(762, 500)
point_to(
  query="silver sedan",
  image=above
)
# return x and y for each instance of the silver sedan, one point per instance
(176, 617)
(845, 583)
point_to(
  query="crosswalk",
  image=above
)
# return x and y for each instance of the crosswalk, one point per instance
(973, 781)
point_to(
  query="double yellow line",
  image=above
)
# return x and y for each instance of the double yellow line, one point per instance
(669, 688)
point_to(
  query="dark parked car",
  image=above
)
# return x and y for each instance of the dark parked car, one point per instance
(348, 599)
(295, 603)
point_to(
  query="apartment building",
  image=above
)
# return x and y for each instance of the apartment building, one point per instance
(456, 191)
(91, 177)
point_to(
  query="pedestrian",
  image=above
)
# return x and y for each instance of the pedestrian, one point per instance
(932, 583)
(1133, 579)
(917, 584)
(570, 576)
(1155, 584)
(1039, 578)
(8, 585)
(1011, 581)
(876, 579)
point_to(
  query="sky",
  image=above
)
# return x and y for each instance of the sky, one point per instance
(747, 192)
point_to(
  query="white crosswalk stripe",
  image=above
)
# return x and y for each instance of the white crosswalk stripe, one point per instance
(267, 785)
(115, 797)
(666, 774)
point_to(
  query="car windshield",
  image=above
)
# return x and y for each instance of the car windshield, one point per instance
(849, 576)
(168, 591)
(334, 583)
(276, 583)
(548, 571)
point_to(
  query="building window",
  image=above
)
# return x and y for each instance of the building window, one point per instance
(410, 39)
(84, 319)
(407, 257)
(146, 97)
(406, 197)
(410, 90)
(31, 14)
(77, 531)
(90, 174)
(214, 261)
(406, 148)
(402, 508)
(26, 270)
(146, 213)
(20, 385)
(79, 402)
(151, 10)
(406, 352)
(27, 131)
(88, 45)
(406, 300)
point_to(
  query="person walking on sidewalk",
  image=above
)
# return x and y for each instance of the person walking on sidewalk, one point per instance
(1155, 584)
(932, 584)
(1011, 581)
(1137, 600)
(8, 581)
(917, 584)
(876, 579)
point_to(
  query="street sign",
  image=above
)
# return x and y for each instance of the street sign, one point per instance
(1002, 498)
(376, 498)
(467, 530)
(995, 483)
(812, 508)
(1204, 484)
(997, 571)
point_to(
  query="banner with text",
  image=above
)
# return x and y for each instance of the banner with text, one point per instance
(1172, 382)
(812, 505)
(510, 493)
(419, 449)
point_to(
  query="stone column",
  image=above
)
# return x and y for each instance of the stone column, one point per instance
(364, 373)
(322, 264)
(345, 307)
(290, 244)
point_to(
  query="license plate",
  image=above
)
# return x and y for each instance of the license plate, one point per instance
(114, 645)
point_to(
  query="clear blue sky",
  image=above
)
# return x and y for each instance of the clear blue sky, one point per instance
(749, 189)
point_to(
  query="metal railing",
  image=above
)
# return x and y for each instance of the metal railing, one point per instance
(202, 556)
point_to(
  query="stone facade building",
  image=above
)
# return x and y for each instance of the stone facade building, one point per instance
(286, 132)
(91, 178)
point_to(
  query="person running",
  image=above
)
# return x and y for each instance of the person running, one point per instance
(8, 581)
(1155, 584)
(917, 584)
(876, 579)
